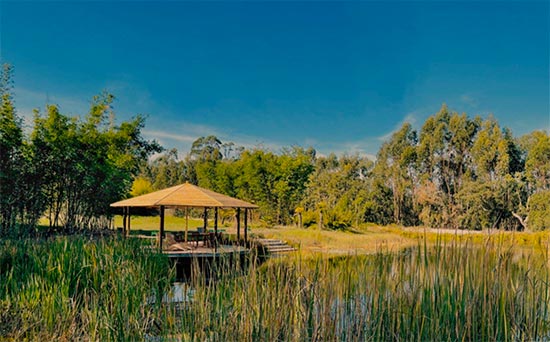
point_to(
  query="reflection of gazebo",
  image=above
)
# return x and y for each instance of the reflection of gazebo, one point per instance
(186, 196)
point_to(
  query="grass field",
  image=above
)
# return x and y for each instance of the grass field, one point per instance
(364, 240)
(171, 223)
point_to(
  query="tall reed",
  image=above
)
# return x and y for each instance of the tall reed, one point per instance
(73, 288)
(102, 290)
(448, 292)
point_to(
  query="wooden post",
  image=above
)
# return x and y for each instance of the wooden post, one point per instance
(215, 229)
(129, 222)
(216, 219)
(238, 225)
(245, 225)
(124, 221)
(161, 235)
(205, 218)
(186, 222)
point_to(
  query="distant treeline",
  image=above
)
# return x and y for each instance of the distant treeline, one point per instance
(455, 172)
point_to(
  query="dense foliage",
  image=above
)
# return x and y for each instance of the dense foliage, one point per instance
(69, 169)
(454, 172)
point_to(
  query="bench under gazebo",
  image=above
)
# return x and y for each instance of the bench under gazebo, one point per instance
(186, 196)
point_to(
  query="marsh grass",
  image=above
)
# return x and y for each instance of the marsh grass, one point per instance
(79, 289)
(98, 290)
(447, 292)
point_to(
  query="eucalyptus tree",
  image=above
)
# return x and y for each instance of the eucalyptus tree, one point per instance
(444, 152)
(495, 190)
(166, 170)
(537, 163)
(396, 165)
(537, 170)
(337, 195)
(276, 183)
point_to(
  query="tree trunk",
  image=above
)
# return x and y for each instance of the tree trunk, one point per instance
(522, 221)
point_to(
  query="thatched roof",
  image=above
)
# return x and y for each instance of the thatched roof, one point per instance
(184, 195)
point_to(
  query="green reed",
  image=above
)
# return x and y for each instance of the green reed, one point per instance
(449, 292)
(73, 288)
(101, 290)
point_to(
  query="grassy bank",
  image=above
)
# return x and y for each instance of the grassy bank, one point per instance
(357, 241)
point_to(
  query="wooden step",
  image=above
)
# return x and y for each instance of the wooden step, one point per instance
(269, 242)
(273, 246)
(282, 249)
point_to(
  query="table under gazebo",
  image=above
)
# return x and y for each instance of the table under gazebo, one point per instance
(186, 196)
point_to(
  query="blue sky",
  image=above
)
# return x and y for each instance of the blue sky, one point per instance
(338, 76)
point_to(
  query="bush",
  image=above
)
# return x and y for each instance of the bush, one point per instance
(539, 211)
(309, 218)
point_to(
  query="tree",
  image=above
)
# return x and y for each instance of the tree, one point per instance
(395, 164)
(166, 170)
(276, 183)
(141, 186)
(337, 191)
(86, 165)
(11, 144)
(207, 148)
(444, 154)
(496, 191)
(537, 163)
(539, 210)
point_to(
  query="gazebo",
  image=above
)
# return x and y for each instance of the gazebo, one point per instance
(185, 196)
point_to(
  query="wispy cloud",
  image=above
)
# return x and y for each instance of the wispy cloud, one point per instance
(171, 136)
(469, 100)
(27, 100)
(411, 117)
(181, 135)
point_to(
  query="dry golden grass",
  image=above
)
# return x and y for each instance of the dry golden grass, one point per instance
(364, 241)
(370, 239)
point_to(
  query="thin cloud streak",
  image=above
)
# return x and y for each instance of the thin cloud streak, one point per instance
(409, 118)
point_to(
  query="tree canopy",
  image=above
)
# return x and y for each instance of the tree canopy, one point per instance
(455, 171)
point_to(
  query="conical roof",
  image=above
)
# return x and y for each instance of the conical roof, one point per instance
(184, 195)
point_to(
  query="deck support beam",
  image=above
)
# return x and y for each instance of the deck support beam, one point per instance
(129, 220)
(124, 221)
(161, 233)
(245, 225)
(216, 229)
(186, 222)
(205, 218)
(238, 225)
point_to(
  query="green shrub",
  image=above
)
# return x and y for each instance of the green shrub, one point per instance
(309, 218)
(539, 211)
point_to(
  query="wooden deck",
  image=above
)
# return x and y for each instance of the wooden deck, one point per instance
(206, 252)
